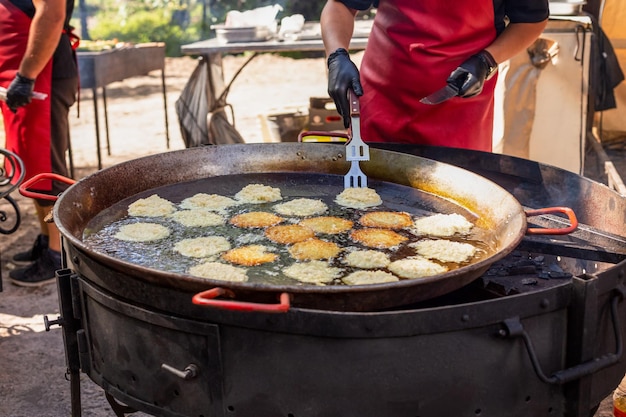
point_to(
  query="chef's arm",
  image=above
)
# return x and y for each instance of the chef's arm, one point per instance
(43, 37)
(514, 39)
(337, 22)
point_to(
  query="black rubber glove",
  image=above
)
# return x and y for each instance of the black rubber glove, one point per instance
(343, 75)
(470, 76)
(20, 92)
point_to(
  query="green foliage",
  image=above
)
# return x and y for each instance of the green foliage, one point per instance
(142, 26)
(175, 22)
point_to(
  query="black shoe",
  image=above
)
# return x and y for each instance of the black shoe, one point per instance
(31, 255)
(40, 272)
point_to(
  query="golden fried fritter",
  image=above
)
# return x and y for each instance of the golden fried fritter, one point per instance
(313, 272)
(358, 198)
(369, 277)
(301, 207)
(255, 219)
(444, 250)
(220, 271)
(416, 267)
(386, 220)
(327, 224)
(313, 249)
(249, 255)
(377, 238)
(442, 225)
(288, 233)
(258, 194)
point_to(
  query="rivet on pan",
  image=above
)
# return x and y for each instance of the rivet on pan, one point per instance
(465, 317)
(76, 260)
(545, 303)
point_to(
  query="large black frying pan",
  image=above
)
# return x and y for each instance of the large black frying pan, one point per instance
(405, 182)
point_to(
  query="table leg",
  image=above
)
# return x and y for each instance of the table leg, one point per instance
(106, 119)
(167, 128)
(94, 91)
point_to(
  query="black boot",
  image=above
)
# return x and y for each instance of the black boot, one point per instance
(32, 254)
(40, 272)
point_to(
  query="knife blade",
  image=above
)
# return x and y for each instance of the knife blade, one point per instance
(441, 95)
(36, 95)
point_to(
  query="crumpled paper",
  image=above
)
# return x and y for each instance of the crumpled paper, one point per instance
(259, 17)
(291, 24)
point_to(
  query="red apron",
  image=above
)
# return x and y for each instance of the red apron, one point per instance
(28, 130)
(412, 49)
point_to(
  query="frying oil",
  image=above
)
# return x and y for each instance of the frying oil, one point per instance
(160, 255)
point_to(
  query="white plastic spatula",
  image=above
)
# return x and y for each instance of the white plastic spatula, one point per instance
(356, 149)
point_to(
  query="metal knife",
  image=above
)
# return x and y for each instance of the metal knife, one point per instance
(441, 95)
(36, 95)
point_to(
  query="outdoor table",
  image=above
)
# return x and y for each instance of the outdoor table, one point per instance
(212, 50)
(98, 69)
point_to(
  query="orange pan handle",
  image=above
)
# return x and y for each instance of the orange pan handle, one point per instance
(209, 298)
(550, 210)
(46, 176)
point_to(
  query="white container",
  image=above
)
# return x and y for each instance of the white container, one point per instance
(242, 34)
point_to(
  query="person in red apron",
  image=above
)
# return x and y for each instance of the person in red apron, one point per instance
(36, 55)
(418, 47)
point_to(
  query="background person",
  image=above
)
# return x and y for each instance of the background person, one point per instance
(417, 47)
(36, 55)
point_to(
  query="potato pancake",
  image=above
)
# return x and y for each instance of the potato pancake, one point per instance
(314, 249)
(327, 224)
(249, 255)
(386, 220)
(211, 202)
(142, 232)
(444, 250)
(219, 271)
(377, 238)
(255, 219)
(258, 194)
(153, 206)
(197, 218)
(288, 233)
(416, 267)
(301, 207)
(369, 277)
(442, 225)
(367, 259)
(358, 198)
(313, 272)
(202, 247)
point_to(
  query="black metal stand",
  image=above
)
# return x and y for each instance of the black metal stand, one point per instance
(11, 176)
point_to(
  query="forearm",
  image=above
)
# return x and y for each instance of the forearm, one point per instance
(43, 38)
(337, 22)
(514, 39)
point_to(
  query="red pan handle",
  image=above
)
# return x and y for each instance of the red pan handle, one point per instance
(549, 210)
(209, 298)
(43, 177)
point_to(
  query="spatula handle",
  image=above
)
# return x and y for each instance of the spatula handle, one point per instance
(355, 109)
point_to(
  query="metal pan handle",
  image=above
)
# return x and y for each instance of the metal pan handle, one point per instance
(550, 210)
(46, 176)
(209, 299)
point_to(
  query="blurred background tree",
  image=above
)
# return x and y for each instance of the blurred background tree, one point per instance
(174, 22)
